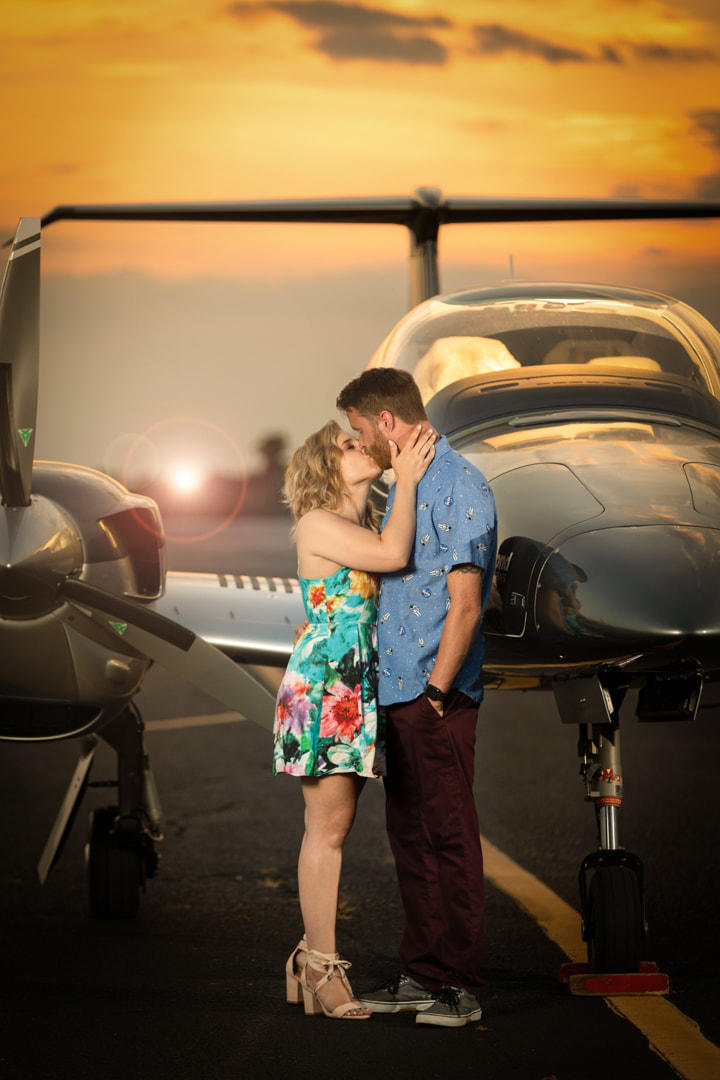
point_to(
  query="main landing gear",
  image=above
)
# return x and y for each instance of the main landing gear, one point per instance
(120, 851)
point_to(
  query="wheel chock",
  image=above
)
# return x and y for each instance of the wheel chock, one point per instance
(583, 982)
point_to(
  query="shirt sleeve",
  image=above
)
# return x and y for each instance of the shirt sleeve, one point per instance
(465, 516)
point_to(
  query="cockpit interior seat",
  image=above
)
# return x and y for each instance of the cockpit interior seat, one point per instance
(450, 359)
(580, 350)
(645, 363)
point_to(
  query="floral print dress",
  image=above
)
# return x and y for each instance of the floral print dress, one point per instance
(327, 718)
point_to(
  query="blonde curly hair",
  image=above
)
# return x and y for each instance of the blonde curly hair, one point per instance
(313, 479)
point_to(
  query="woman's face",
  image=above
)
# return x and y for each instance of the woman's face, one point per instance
(355, 465)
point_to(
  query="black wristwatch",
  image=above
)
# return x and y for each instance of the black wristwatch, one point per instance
(434, 694)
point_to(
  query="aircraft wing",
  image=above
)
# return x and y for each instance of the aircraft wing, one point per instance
(251, 619)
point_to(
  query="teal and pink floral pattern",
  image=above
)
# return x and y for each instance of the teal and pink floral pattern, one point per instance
(327, 718)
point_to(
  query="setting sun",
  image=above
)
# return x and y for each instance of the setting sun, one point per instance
(185, 479)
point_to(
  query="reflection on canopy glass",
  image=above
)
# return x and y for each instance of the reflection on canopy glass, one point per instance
(508, 334)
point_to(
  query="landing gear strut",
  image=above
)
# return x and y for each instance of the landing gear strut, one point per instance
(611, 879)
(121, 851)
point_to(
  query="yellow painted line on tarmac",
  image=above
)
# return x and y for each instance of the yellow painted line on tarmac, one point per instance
(560, 922)
(673, 1036)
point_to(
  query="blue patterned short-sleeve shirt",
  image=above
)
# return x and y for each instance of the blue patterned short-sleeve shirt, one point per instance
(456, 523)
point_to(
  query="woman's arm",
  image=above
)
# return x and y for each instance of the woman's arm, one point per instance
(329, 536)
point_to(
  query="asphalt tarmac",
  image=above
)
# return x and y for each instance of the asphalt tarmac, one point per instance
(194, 986)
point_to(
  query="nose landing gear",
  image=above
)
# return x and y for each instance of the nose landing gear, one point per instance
(611, 879)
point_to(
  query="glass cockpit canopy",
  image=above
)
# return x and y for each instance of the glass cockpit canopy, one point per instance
(557, 344)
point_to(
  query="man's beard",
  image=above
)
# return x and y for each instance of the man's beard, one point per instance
(379, 451)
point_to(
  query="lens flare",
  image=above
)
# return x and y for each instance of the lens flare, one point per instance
(185, 479)
(176, 436)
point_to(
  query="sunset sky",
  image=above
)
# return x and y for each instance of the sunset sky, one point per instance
(252, 329)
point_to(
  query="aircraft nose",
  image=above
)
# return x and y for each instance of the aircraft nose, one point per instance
(38, 544)
(648, 584)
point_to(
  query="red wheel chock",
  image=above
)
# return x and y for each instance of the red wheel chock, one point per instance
(648, 980)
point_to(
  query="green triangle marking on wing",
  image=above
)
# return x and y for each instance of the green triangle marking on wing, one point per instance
(25, 434)
(119, 627)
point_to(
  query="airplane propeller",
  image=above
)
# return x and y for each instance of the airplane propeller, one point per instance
(422, 214)
(19, 359)
(171, 645)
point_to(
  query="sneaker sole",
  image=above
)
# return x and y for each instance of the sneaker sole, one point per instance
(449, 1021)
(396, 1006)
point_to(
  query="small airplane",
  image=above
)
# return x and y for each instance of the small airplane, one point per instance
(594, 413)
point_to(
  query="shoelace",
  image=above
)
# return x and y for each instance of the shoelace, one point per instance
(450, 996)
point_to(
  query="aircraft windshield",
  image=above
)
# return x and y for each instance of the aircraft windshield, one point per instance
(523, 335)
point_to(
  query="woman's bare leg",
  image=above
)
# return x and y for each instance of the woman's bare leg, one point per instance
(330, 806)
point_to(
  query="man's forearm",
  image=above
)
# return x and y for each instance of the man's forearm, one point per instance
(464, 584)
(457, 637)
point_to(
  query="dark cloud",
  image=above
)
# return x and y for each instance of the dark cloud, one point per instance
(628, 191)
(359, 32)
(328, 15)
(673, 54)
(245, 12)
(64, 168)
(356, 31)
(610, 55)
(384, 48)
(707, 121)
(493, 39)
(708, 187)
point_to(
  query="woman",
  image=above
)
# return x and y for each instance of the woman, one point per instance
(328, 728)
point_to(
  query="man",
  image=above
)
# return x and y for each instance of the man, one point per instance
(431, 650)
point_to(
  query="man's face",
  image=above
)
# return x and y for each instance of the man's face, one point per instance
(370, 438)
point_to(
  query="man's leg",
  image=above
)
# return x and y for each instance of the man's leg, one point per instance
(433, 831)
(406, 791)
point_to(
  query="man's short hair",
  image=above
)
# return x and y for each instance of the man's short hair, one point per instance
(384, 388)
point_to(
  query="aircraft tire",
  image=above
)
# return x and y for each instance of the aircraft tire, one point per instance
(616, 921)
(113, 870)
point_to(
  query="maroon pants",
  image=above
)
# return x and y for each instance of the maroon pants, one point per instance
(433, 829)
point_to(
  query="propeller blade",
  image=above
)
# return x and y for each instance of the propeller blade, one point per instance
(171, 645)
(422, 212)
(19, 359)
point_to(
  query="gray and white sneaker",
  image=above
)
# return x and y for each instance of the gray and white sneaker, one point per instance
(400, 994)
(451, 1007)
